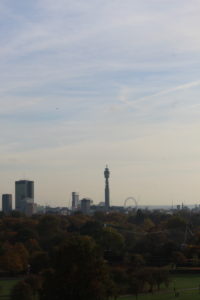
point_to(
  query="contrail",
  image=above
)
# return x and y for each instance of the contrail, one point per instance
(163, 92)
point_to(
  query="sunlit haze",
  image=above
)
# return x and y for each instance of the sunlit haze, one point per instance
(95, 82)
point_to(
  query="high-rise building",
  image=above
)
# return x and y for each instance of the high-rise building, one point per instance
(85, 206)
(24, 193)
(75, 201)
(107, 191)
(6, 203)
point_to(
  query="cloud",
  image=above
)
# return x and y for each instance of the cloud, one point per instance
(120, 74)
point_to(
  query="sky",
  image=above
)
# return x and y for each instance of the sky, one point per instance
(88, 83)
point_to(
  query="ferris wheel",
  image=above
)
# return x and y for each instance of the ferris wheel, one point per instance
(130, 203)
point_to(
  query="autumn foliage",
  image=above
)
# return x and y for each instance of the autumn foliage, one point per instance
(104, 255)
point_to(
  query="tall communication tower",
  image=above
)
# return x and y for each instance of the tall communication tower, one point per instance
(107, 192)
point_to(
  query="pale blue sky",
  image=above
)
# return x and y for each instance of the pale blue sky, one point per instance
(89, 83)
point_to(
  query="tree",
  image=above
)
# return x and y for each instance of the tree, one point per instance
(93, 229)
(120, 277)
(161, 275)
(48, 226)
(32, 246)
(111, 241)
(14, 258)
(78, 272)
(25, 234)
(135, 261)
(17, 214)
(148, 224)
(39, 261)
(35, 282)
(176, 222)
(139, 219)
(136, 285)
(178, 258)
(22, 291)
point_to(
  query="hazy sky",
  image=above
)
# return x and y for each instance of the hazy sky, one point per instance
(93, 82)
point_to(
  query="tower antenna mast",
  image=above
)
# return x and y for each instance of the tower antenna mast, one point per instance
(107, 191)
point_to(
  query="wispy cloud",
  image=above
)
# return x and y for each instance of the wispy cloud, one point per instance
(68, 66)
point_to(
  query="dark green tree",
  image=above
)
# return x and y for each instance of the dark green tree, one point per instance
(78, 273)
(22, 291)
(39, 261)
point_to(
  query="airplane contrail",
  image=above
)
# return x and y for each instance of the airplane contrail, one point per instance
(163, 92)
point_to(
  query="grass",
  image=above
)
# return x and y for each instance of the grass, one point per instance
(185, 281)
(184, 284)
(6, 286)
(180, 282)
(186, 295)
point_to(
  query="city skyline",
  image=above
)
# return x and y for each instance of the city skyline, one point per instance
(88, 83)
(27, 193)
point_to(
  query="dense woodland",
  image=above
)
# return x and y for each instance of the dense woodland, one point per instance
(96, 257)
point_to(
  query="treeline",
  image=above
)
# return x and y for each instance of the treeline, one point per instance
(98, 257)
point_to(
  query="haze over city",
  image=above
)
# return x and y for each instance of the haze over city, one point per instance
(90, 83)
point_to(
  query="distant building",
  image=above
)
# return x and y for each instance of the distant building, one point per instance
(57, 210)
(75, 201)
(30, 207)
(85, 206)
(7, 203)
(40, 209)
(24, 194)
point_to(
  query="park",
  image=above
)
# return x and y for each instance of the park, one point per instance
(139, 255)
